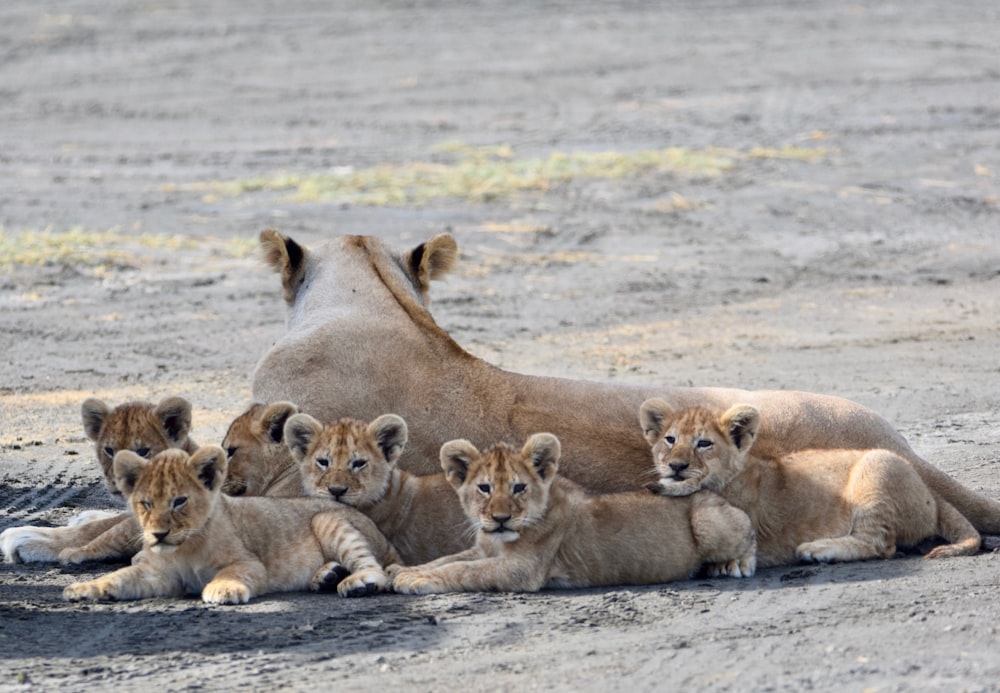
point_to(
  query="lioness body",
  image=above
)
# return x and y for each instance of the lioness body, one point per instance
(355, 463)
(141, 427)
(232, 549)
(823, 505)
(538, 530)
(324, 366)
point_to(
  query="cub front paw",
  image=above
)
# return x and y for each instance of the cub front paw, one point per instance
(72, 556)
(86, 591)
(225, 592)
(362, 583)
(413, 582)
(329, 577)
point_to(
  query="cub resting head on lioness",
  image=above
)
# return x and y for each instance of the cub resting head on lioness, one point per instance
(141, 427)
(196, 539)
(355, 463)
(536, 529)
(813, 505)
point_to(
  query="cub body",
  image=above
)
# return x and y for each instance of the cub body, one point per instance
(536, 529)
(140, 427)
(812, 505)
(355, 464)
(230, 550)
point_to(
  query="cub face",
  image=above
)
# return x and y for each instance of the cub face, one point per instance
(696, 448)
(140, 427)
(255, 449)
(173, 494)
(503, 490)
(349, 461)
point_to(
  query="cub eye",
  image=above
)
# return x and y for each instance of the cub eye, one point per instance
(670, 440)
(358, 465)
(484, 488)
(109, 451)
(703, 444)
(323, 462)
(230, 452)
(143, 452)
(179, 502)
(146, 505)
(519, 488)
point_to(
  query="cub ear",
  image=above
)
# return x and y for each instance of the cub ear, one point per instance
(300, 431)
(286, 257)
(94, 412)
(389, 432)
(652, 414)
(210, 465)
(127, 466)
(456, 458)
(543, 449)
(273, 420)
(741, 423)
(174, 414)
(432, 260)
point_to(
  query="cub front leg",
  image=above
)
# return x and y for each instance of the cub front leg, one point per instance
(42, 544)
(478, 575)
(134, 582)
(236, 584)
(346, 545)
(724, 535)
(122, 540)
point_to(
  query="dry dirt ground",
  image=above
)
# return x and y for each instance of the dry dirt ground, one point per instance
(794, 195)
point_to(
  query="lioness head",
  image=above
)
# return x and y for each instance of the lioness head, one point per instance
(349, 460)
(141, 427)
(503, 490)
(697, 448)
(259, 461)
(172, 495)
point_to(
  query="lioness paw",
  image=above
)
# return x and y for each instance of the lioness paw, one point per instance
(362, 583)
(328, 577)
(739, 568)
(225, 592)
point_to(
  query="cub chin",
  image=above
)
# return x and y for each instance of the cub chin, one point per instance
(535, 529)
(198, 540)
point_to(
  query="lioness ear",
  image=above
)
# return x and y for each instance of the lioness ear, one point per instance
(94, 412)
(210, 465)
(126, 467)
(652, 414)
(174, 414)
(287, 257)
(389, 432)
(544, 451)
(273, 420)
(741, 422)
(456, 457)
(300, 431)
(432, 260)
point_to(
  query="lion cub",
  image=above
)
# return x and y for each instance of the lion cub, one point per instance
(233, 549)
(260, 464)
(141, 427)
(355, 463)
(815, 505)
(536, 529)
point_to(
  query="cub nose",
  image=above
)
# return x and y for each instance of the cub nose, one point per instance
(678, 466)
(160, 536)
(337, 491)
(500, 519)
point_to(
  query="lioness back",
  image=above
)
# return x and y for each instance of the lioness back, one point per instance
(538, 530)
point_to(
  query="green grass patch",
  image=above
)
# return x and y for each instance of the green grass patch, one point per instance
(487, 174)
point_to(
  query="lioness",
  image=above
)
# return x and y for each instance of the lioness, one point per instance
(813, 505)
(141, 427)
(353, 292)
(355, 463)
(197, 539)
(537, 529)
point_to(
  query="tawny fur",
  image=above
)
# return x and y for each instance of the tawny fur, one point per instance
(353, 292)
(260, 464)
(355, 463)
(812, 505)
(230, 550)
(537, 530)
(141, 427)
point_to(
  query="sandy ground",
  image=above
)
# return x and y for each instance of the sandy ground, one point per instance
(841, 236)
